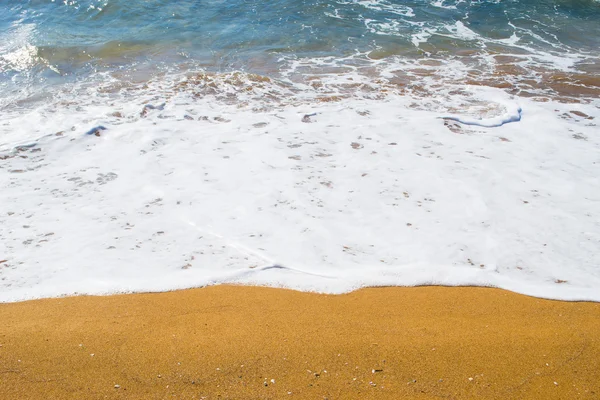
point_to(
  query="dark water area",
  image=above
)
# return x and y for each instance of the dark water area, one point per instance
(47, 42)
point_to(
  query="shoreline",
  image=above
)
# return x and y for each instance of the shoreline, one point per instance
(292, 289)
(256, 342)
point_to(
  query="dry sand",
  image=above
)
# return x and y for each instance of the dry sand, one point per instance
(231, 342)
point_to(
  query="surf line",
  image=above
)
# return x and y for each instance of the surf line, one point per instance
(494, 122)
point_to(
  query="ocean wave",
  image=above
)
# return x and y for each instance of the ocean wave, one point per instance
(303, 146)
(311, 195)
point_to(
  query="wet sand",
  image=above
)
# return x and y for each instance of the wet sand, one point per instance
(231, 342)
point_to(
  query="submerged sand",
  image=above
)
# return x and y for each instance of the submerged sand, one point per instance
(231, 342)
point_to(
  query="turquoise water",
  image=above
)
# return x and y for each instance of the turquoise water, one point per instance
(53, 42)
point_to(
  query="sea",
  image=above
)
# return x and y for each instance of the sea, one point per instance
(325, 146)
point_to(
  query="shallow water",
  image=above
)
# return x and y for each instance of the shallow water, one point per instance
(314, 145)
(56, 41)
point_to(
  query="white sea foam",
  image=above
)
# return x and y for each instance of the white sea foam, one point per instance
(382, 5)
(460, 31)
(513, 114)
(362, 193)
(440, 4)
(16, 52)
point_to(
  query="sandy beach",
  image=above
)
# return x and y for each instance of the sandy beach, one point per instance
(250, 342)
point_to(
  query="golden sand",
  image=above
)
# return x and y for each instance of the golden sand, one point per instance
(228, 342)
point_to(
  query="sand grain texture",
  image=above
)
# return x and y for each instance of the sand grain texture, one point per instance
(230, 342)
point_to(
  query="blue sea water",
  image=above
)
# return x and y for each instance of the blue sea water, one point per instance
(46, 42)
